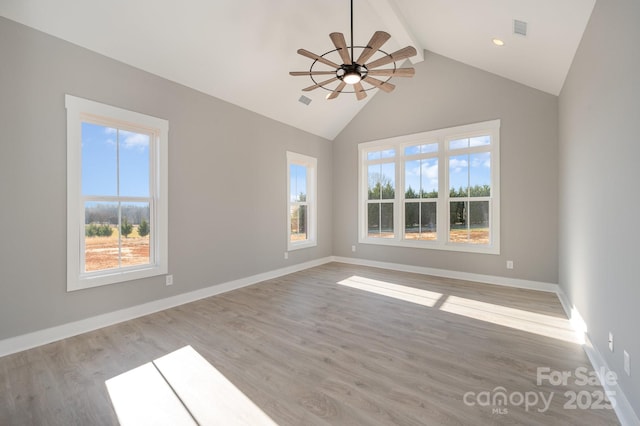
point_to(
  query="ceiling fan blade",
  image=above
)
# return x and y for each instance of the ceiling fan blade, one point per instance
(308, 73)
(341, 45)
(337, 90)
(318, 58)
(382, 85)
(360, 93)
(403, 53)
(398, 72)
(377, 40)
(322, 83)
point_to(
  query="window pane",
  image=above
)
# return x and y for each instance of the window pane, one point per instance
(412, 179)
(386, 220)
(377, 155)
(412, 150)
(373, 219)
(373, 177)
(480, 174)
(388, 180)
(479, 222)
(135, 229)
(380, 220)
(388, 153)
(134, 164)
(421, 149)
(373, 155)
(99, 160)
(429, 178)
(101, 236)
(428, 221)
(459, 143)
(298, 184)
(458, 230)
(480, 141)
(420, 221)
(427, 148)
(412, 221)
(298, 223)
(458, 175)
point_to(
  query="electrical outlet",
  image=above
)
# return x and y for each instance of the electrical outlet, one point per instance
(286, 255)
(169, 279)
(509, 264)
(353, 248)
(611, 341)
(627, 363)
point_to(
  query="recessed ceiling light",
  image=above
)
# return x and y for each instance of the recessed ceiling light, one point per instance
(498, 42)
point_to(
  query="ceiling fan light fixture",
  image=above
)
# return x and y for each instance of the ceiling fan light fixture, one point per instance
(354, 71)
(352, 77)
(351, 74)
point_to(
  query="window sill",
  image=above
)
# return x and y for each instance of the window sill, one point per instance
(301, 245)
(85, 281)
(433, 245)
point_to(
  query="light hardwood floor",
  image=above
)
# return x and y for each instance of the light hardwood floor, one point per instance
(310, 349)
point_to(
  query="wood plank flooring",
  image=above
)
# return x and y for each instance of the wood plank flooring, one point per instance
(310, 349)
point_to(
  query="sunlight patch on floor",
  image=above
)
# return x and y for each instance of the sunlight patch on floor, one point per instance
(181, 388)
(142, 397)
(520, 319)
(401, 292)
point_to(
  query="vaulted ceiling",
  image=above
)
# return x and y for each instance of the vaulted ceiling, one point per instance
(242, 50)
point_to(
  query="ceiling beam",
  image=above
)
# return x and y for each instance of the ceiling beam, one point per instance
(395, 24)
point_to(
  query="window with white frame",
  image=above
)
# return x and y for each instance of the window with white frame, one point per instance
(116, 194)
(437, 189)
(301, 201)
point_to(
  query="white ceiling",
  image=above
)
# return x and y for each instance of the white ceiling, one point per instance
(242, 50)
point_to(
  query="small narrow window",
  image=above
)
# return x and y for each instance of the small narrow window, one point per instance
(301, 201)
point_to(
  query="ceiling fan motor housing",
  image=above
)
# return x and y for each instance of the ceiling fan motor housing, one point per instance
(351, 73)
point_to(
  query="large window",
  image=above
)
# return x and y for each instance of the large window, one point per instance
(116, 194)
(437, 189)
(301, 204)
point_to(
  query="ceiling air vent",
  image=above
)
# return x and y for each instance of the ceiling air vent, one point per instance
(304, 100)
(519, 27)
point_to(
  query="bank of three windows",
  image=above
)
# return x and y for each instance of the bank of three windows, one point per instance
(436, 189)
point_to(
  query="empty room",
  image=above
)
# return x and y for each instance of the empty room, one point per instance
(346, 212)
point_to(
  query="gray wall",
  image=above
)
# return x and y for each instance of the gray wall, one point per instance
(599, 175)
(447, 93)
(227, 166)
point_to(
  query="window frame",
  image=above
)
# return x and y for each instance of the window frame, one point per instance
(442, 138)
(311, 163)
(81, 110)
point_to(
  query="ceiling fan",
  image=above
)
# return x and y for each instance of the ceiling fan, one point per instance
(356, 71)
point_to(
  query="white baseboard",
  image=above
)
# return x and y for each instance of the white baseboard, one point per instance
(445, 273)
(42, 337)
(622, 406)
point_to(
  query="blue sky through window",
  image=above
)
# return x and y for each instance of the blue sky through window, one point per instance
(298, 184)
(101, 148)
(469, 169)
